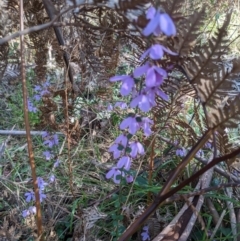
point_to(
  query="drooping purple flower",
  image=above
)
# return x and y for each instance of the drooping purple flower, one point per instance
(29, 211)
(145, 233)
(122, 139)
(41, 195)
(127, 83)
(52, 178)
(121, 105)
(55, 139)
(109, 107)
(153, 91)
(114, 173)
(154, 74)
(26, 213)
(181, 152)
(136, 148)
(159, 23)
(45, 134)
(31, 107)
(56, 163)
(129, 179)
(44, 92)
(37, 97)
(29, 196)
(37, 88)
(46, 84)
(142, 101)
(146, 126)
(116, 150)
(49, 143)
(208, 145)
(156, 51)
(41, 183)
(124, 162)
(131, 124)
(47, 155)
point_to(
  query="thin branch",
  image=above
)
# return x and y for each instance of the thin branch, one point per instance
(27, 126)
(34, 28)
(23, 133)
(162, 197)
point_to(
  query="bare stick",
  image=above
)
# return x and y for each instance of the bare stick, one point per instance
(27, 126)
(218, 224)
(23, 133)
(34, 28)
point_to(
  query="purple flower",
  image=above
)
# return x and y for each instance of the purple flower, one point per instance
(44, 92)
(146, 126)
(130, 123)
(114, 173)
(45, 134)
(41, 183)
(47, 155)
(41, 195)
(136, 148)
(154, 74)
(159, 23)
(156, 52)
(208, 145)
(29, 211)
(37, 88)
(52, 178)
(31, 107)
(129, 178)
(46, 84)
(29, 196)
(127, 83)
(56, 163)
(142, 101)
(55, 139)
(121, 105)
(181, 152)
(26, 213)
(145, 234)
(115, 150)
(50, 141)
(37, 97)
(122, 139)
(153, 91)
(110, 107)
(124, 162)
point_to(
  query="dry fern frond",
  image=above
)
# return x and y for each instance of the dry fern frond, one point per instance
(205, 61)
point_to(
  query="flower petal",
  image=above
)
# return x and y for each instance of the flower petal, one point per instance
(166, 24)
(151, 26)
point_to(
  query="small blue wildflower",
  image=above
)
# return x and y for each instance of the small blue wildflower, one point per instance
(47, 155)
(145, 234)
(29, 196)
(29, 211)
(52, 178)
(124, 162)
(56, 163)
(41, 195)
(31, 107)
(37, 97)
(122, 105)
(181, 152)
(37, 88)
(129, 178)
(115, 173)
(41, 183)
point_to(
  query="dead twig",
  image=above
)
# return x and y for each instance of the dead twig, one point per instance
(27, 126)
